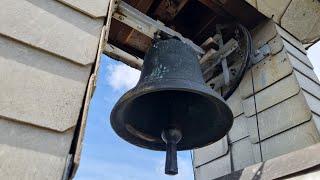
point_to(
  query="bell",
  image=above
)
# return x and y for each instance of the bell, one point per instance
(171, 108)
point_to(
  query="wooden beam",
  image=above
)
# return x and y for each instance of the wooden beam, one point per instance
(142, 6)
(122, 56)
(214, 6)
(168, 9)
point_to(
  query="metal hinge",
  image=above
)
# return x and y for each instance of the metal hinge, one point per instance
(261, 53)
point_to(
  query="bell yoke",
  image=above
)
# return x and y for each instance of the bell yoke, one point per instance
(171, 108)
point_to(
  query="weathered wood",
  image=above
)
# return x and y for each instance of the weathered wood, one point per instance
(210, 41)
(134, 38)
(123, 56)
(214, 6)
(83, 121)
(168, 9)
(111, 9)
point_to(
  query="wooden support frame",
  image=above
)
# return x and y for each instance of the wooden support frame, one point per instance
(146, 25)
(120, 55)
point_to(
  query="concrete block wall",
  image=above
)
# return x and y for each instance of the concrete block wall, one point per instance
(300, 17)
(48, 50)
(276, 108)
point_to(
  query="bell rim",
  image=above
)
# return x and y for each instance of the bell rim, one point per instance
(135, 92)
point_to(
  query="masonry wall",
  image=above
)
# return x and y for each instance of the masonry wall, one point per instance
(48, 50)
(276, 108)
(299, 17)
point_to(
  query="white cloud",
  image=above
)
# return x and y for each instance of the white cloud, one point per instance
(314, 56)
(122, 77)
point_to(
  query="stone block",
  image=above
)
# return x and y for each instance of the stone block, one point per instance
(239, 129)
(293, 139)
(314, 33)
(252, 3)
(303, 69)
(278, 92)
(20, 163)
(245, 86)
(242, 154)
(53, 27)
(270, 70)
(214, 169)
(280, 117)
(316, 121)
(234, 103)
(289, 38)
(93, 8)
(25, 136)
(308, 85)
(263, 33)
(211, 152)
(273, 9)
(300, 17)
(39, 88)
(256, 152)
(313, 102)
(276, 44)
(297, 53)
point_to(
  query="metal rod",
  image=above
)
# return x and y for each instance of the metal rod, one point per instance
(171, 167)
(171, 137)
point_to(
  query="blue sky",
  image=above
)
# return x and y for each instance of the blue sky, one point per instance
(105, 155)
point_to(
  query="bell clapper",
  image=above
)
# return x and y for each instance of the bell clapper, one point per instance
(171, 137)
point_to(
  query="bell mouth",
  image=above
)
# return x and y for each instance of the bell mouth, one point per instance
(200, 113)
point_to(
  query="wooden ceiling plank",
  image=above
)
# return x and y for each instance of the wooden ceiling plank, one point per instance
(214, 6)
(142, 6)
(168, 9)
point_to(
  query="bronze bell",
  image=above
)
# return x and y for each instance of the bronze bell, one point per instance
(171, 108)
